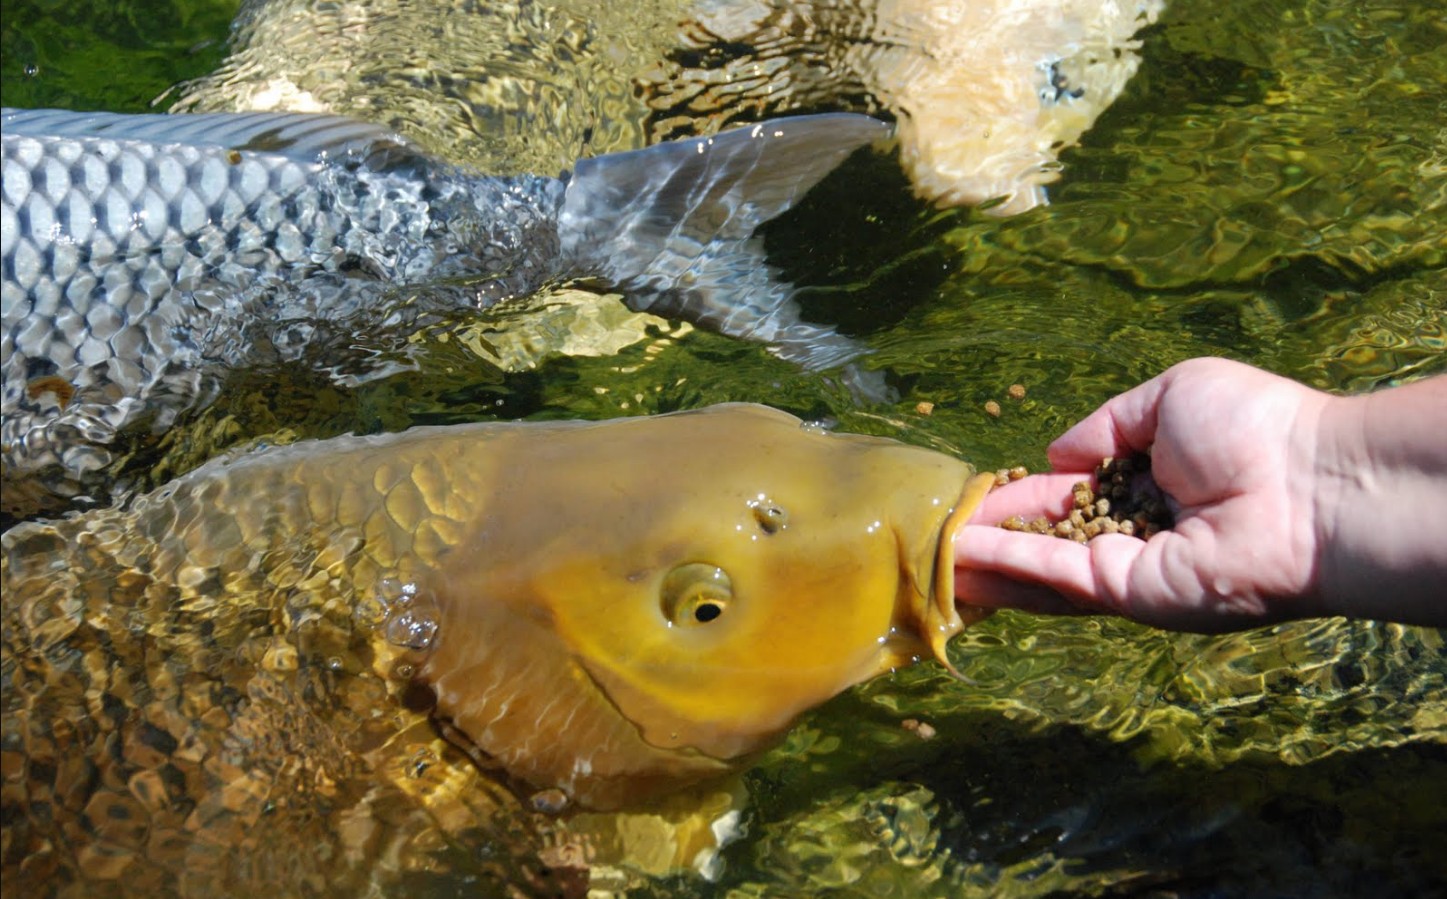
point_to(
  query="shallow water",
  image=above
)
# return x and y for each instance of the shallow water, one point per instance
(1271, 187)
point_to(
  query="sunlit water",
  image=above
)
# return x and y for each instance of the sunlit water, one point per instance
(1272, 187)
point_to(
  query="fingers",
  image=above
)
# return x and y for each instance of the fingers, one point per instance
(1125, 424)
(987, 590)
(1063, 566)
(1030, 498)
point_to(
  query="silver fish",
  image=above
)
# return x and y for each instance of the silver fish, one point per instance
(144, 256)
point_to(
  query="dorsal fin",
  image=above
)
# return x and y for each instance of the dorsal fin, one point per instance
(300, 136)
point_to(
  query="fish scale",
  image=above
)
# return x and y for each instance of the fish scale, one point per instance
(91, 293)
(223, 686)
(159, 246)
(145, 257)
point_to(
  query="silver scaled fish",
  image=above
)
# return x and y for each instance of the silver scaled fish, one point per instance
(144, 256)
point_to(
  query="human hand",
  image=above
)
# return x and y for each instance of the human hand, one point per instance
(1235, 451)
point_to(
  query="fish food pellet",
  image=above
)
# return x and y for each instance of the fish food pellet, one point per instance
(1004, 476)
(1126, 501)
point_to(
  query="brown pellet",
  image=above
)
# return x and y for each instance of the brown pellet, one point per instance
(1113, 507)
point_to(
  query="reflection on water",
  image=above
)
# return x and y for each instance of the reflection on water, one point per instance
(512, 86)
(1272, 187)
(986, 94)
(1098, 756)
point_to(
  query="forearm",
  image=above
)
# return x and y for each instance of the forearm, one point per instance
(1382, 504)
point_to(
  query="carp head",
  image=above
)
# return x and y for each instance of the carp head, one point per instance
(650, 602)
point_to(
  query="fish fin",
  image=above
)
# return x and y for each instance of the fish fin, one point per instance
(300, 136)
(672, 226)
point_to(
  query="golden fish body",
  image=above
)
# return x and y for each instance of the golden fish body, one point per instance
(257, 660)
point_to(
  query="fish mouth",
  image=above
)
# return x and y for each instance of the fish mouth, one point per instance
(944, 618)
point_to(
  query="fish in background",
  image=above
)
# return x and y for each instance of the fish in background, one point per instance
(293, 668)
(145, 256)
(987, 94)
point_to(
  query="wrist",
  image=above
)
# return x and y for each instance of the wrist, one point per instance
(1381, 504)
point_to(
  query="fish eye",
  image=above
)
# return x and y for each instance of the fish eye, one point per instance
(695, 594)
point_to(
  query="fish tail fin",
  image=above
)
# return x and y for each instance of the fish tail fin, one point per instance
(672, 227)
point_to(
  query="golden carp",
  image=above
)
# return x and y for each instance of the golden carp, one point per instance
(256, 657)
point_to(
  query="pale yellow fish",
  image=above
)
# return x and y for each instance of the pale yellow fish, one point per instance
(261, 656)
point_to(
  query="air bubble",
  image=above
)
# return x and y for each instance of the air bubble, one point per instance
(411, 629)
(407, 618)
(391, 590)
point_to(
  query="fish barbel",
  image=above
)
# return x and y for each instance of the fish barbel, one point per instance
(244, 661)
(144, 256)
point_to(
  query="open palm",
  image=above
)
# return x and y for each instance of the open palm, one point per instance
(1233, 448)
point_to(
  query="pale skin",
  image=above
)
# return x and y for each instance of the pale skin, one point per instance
(1288, 502)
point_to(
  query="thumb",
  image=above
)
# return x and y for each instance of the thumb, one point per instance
(1123, 425)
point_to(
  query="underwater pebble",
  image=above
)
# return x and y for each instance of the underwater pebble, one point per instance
(1016, 392)
(550, 801)
(993, 408)
(280, 658)
(569, 854)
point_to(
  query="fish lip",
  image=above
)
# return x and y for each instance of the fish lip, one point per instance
(943, 618)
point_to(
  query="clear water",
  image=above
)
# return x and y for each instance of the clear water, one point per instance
(1272, 187)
